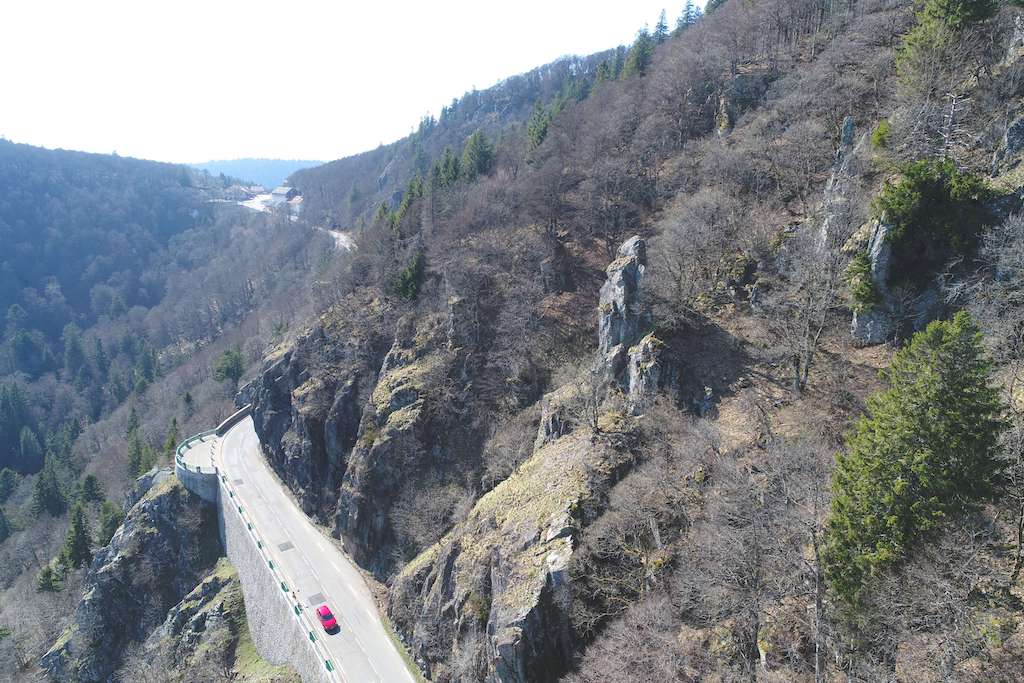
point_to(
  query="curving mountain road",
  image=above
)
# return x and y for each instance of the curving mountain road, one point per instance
(316, 569)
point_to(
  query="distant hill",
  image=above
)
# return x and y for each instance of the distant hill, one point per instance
(267, 172)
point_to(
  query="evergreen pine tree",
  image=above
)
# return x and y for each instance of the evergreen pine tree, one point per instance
(171, 442)
(477, 156)
(661, 29)
(47, 580)
(8, 482)
(31, 450)
(639, 55)
(74, 353)
(110, 519)
(133, 423)
(927, 450)
(537, 126)
(100, 360)
(5, 527)
(90, 490)
(47, 494)
(135, 454)
(691, 14)
(78, 542)
(230, 366)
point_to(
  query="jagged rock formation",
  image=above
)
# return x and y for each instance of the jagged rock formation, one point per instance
(167, 543)
(874, 324)
(620, 316)
(491, 600)
(307, 402)
(494, 591)
(206, 636)
(394, 443)
(1008, 155)
(344, 420)
(627, 354)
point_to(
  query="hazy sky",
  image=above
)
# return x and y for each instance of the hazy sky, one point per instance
(189, 81)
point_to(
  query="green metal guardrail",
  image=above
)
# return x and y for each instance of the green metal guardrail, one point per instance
(187, 444)
(304, 620)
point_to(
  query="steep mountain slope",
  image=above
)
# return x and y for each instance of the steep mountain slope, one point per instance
(594, 397)
(651, 500)
(92, 397)
(341, 192)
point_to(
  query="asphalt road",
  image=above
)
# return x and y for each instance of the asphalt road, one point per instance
(315, 569)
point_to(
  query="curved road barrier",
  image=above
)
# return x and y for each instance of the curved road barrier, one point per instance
(286, 565)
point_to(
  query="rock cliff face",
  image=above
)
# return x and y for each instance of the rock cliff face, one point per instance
(491, 601)
(205, 637)
(875, 324)
(620, 316)
(394, 442)
(307, 402)
(899, 310)
(167, 544)
(345, 418)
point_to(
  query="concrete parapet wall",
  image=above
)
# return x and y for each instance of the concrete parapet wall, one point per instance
(234, 419)
(203, 484)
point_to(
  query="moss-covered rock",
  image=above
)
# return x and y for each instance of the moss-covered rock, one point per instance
(506, 567)
(207, 633)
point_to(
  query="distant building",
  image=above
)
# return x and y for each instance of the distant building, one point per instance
(283, 193)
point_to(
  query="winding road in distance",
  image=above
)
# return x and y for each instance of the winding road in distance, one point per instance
(317, 570)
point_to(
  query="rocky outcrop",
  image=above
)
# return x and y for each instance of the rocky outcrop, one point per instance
(874, 324)
(167, 544)
(898, 310)
(205, 637)
(491, 600)
(394, 441)
(1008, 155)
(626, 358)
(620, 314)
(347, 415)
(628, 355)
(307, 403)
(643, 372)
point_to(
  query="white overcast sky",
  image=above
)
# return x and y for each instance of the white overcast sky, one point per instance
(186, 81)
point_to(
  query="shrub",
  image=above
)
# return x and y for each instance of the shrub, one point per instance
(880, 135)
(937, 22)
(863, 289)
(927, 450)
(936, 212)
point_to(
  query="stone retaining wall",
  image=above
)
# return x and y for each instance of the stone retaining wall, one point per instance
(277, 633)
(281, 635)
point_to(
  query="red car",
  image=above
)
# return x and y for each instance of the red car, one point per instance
(327, 620)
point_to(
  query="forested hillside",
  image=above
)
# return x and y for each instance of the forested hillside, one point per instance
(124, 281)
(715, 483)
(692, 360)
